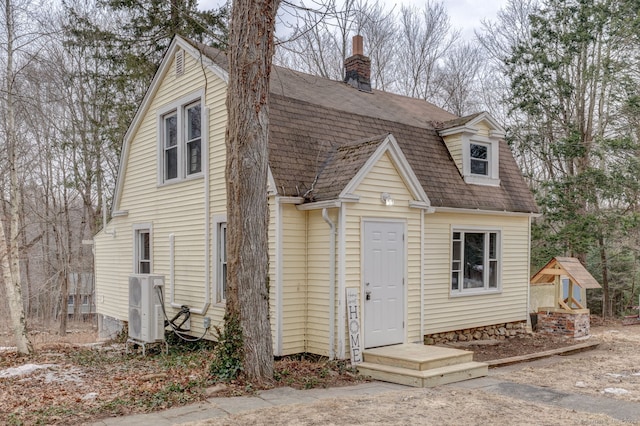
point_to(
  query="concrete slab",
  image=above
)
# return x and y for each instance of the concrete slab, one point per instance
(238, 404)
(615, 408)
(286, 396)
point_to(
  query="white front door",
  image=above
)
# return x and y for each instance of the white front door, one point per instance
(383, 287)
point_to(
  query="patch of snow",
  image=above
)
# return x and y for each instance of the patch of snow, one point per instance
(91, 396)
(22, 370)
(8, 348)
(66, 375)
(615, 375)
(636, 374)
(615, 391)
(580, 385)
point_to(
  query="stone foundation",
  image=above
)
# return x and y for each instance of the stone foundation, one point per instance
(490, 332)
(564, 324)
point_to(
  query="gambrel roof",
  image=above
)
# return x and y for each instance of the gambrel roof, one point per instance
(322, 132)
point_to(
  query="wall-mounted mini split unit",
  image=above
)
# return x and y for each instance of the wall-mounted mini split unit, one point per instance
(146, 322)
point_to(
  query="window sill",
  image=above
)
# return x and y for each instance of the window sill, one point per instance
(176, 181)
(474, 293)
(481, 180)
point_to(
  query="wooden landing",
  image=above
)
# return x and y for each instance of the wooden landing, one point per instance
(420, 366)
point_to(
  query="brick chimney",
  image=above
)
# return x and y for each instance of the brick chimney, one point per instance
(358, 67)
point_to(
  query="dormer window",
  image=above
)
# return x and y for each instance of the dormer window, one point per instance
(474, 144)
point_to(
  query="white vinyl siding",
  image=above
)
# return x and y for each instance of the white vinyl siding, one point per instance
(319, 281)
(294, 279)
(182, 221)
(454, 145)
(384, 177)
(442, 311)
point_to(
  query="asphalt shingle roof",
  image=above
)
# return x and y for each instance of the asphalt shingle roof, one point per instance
(323, 131)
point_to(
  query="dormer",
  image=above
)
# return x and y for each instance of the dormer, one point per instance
(474, 144)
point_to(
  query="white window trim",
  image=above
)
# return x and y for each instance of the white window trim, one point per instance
(218, 220)
(179, 106)
(493, 177)
(461, 292)
(136, 229)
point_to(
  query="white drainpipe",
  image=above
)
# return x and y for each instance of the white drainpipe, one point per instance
(332, 282)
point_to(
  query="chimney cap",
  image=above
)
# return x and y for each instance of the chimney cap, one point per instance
(358, 45)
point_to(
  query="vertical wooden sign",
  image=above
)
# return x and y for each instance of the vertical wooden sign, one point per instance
(353, 322)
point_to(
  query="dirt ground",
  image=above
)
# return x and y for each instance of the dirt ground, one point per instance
(611, 371)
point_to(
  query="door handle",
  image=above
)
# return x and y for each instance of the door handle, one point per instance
(367, 295)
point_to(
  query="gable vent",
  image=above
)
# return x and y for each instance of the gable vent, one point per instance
(179, 63)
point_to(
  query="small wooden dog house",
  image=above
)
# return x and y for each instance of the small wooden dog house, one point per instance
(567, 316)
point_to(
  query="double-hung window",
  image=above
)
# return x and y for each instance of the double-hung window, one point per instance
(475, 261)
(142, 253)
(479, 156)
(181, 141)
(221, 261)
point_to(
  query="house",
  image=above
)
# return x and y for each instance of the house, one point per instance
(426, 214)
(80, 300)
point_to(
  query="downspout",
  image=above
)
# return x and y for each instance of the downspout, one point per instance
(342, 312)
(278, 276)
(332, 282)
(422, 302)
(207, 217)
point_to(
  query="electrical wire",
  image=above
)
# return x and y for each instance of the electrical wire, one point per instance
(176, 330)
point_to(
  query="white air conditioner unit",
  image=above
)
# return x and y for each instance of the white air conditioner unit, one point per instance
(146, 322)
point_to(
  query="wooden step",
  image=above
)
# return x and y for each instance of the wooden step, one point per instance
(424, 378)
(417, 357)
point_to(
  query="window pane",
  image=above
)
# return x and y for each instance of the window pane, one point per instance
(454, 280)
(223, 239)
(493, 245)
(456, 236)
(479, 167)
(171, 163)
(143, 251)
(493, 274)
(170, 131)
(193, 122)
(456, 250)
(222, 259)
(145, 267)
(474, 260)
(194, 157)
(144, 246)
(479, 151)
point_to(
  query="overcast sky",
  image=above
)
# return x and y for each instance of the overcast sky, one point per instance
(465, 14)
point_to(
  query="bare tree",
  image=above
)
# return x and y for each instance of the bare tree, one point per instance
(458, 80)
(251, 48)
(425, 36)
(9, 248)
(380, 32)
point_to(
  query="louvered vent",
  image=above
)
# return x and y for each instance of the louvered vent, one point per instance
(179, 63)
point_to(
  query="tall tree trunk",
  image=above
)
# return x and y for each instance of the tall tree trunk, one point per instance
(9, 250)
(250, 53)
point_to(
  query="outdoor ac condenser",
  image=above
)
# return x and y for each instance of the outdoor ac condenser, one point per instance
(146, 322)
